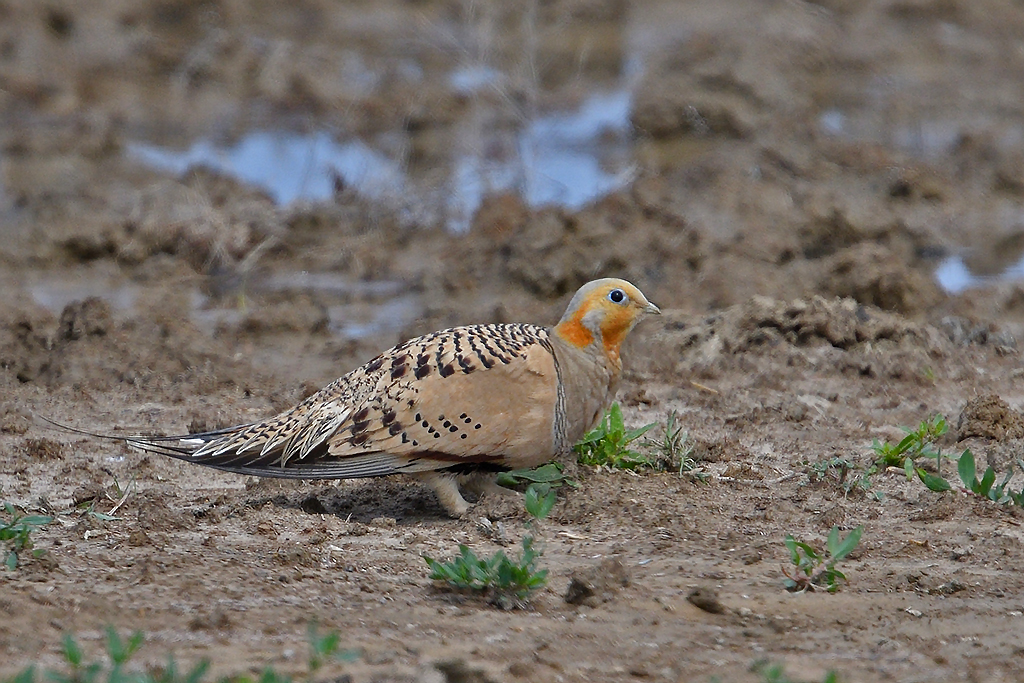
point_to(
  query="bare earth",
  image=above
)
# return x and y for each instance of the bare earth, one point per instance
(801, 171)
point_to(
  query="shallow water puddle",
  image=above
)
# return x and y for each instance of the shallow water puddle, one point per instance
(389, 317)
(381, 306)
(57, 292)
(954, 276)
(355, 309)
(288, 166)
(567, 158)
(924, 138)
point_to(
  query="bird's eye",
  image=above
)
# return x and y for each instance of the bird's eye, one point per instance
(616, 296)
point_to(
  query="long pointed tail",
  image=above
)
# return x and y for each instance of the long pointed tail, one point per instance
(180, 446)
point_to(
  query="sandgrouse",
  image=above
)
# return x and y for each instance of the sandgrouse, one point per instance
(480, 397)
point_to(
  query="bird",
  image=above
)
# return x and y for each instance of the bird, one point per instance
(477, 398)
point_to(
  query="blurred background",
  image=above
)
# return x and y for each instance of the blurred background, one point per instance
(361, 171)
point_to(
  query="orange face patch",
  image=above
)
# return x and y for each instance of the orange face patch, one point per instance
(573, 331)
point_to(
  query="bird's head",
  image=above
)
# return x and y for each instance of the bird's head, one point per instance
(603, 312)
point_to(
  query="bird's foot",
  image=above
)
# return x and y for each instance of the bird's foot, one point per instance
(485, 483)
(446, 487)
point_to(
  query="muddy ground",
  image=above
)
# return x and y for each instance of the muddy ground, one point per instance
(800, 171)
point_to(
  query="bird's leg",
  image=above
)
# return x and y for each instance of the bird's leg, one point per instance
(446, 487)
(482, 483)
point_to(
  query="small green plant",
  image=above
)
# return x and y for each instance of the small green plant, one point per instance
(500, 576)
(89, 508)
(776, 673)
(120, 651)
(550, 474)
(503, 576)
(919, 443)
(813, 568)
(15, 534)
(673, 449)
(323, 648)
(850, 476)
(539, 499)
(986, 487)
(607, 444)
(916, 444)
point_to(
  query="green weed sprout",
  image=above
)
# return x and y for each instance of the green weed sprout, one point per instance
(776, 673)
(986, 487)
(842, 468)
(550, 474)
(119, 652)
(323, 648)
(608, 443)
(15, 534)
(674, 449)
(812, 568)
(498, 573)
(504, 578)
(917, 443)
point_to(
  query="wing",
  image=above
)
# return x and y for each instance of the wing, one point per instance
(477, 394)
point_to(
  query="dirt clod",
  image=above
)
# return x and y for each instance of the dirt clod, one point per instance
(86, 494)
(991, 417)
(597, 584)
(87, 318)
(43, 449)
(158, 512)
(705, 598)
(460, 671)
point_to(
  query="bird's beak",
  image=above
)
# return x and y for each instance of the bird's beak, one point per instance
(652, 309)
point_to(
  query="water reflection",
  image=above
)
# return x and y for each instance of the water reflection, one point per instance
(567, 159)
(388, 317)
(288, 166)
(356, 309)
(55, 293)
(928, 139)
(954, 276)
(470, 79)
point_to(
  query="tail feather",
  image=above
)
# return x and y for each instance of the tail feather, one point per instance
(229, 454)
(181, 446)
(205, 437)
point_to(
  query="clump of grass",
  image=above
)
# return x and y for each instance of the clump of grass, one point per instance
(503, 579)
(846, 474)
(608, 444)
(673, 450)
(15, 534)
(918, 442)
(813, 568)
